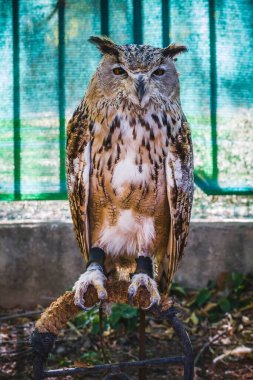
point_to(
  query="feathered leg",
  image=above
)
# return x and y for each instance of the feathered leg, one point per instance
(94, 275)
(144, 276)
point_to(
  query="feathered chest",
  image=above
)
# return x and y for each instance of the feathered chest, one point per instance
(128, 153)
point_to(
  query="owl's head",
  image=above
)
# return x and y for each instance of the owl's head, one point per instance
(137, 73)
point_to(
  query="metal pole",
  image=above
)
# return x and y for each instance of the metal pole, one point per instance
(213, 89)
(42, 344)
(61, 92)
(137, 22)
(16, 101)
(179, 328)
(142, 353)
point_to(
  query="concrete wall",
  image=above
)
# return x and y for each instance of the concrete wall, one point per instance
(41, 260)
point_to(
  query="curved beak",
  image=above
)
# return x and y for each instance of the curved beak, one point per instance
(140, 87)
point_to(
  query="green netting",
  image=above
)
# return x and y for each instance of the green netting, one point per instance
(46, 64)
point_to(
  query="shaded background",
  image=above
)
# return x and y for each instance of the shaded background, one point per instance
(45, 67)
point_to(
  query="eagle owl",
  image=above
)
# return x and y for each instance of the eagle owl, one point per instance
(130, 170)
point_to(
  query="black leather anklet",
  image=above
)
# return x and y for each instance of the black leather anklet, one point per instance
(97, 255)
(144, 265)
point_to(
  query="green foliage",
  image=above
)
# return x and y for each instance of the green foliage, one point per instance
(121, 316)
(224, 304)
(89, 319)
(224, 296)
(177, 290)
(91, 357)
(202, 297)
(238, 281)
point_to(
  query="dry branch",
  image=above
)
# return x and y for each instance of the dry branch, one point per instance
(56, 316)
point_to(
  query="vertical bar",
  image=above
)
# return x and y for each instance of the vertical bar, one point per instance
(166, 22)
(137, 22)
(61, 90)
(16, 101)
(142, 351)
(179, 328)
(104, 9)
(213, 90)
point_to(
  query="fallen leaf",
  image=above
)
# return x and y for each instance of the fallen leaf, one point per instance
(81, 364)
(194, 318)
(238, 351)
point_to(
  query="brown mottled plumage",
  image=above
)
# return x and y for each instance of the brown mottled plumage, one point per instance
(130, 163)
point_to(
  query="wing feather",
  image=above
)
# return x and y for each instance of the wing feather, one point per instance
(180, 184)
(78, 170)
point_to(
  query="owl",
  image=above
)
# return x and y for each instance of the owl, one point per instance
(130, 171)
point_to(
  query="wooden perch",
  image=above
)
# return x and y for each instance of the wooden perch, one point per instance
(55, 317)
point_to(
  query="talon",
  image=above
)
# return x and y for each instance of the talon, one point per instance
(152, 303)
(102, 296)
(131, 291)
(140, 280)
(81, 305)
(131, 294)
(95, 278)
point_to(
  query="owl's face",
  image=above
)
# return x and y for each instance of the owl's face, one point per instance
(138, 73)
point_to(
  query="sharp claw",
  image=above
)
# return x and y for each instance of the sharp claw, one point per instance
(142, 280)
(81, 305)
(154, 302)
(150, 305)
(102, 296)
(131, 294)
(100, 302)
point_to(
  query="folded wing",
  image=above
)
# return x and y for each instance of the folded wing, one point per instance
(78, 173)
(180, 184)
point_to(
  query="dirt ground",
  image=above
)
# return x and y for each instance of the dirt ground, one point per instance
(222, 341)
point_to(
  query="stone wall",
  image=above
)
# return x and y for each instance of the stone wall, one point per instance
(38, 261)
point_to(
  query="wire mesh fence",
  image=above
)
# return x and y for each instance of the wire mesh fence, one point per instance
(46, 64)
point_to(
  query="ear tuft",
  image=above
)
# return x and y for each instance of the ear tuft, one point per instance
(105, 45)
(173, 50)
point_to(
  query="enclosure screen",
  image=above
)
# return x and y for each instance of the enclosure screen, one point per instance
(46, 64)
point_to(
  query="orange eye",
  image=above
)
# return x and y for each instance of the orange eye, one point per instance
(118, 71)
(159, 72)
